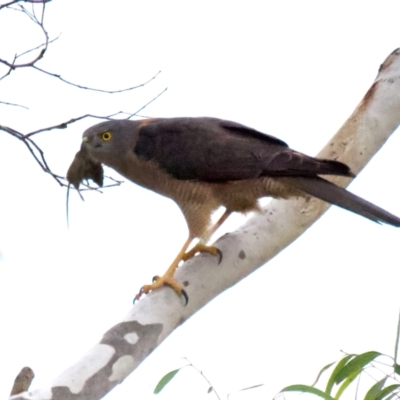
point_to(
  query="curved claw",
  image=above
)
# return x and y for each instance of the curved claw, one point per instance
(136, 298)
(185, 295)
(220, 255)
(143, 290)
(159, 282)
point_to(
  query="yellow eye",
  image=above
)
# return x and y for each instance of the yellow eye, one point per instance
(106, 136)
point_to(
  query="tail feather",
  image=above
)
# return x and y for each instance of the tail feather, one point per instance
(329, 192)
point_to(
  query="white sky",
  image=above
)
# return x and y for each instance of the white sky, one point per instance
(292, 69)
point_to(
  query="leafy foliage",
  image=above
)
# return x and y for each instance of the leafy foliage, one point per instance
(369, 366)
(353, 367)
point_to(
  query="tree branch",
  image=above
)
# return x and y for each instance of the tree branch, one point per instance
(153, 318)
(38, 153)
(27, 139)
(94, 89)
(39, 22)
(13, 104)
(22, 381)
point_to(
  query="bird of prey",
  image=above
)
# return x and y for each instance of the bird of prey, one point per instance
(205, 163)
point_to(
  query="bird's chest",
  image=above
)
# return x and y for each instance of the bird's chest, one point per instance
(150, 175)
(143, 173)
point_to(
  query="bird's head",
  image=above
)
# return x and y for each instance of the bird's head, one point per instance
(108, 142)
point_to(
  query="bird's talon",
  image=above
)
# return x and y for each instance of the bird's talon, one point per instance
(220, 255)
(185, 295)
(143, 290)
(136, 298)
(201, 248)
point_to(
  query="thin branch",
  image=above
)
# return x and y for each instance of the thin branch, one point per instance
(142, 108)
(5, 5)
(88, 186)
(38, 47)
(204, 377)
(13, 65)
(65, 124)
(13, 104)
(90, 88)
(38, 154)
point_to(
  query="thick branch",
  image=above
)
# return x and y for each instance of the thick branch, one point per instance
(152, 319)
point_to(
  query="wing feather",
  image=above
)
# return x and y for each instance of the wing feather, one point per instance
(214, 150)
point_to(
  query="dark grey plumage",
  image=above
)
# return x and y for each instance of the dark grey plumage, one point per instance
(222, 163)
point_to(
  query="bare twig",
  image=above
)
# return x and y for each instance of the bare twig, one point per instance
(10, 3)
(64, 125)
(38, 154)
(142, 108)
(38, 47)
(36, 15)
(94, 89)
(211, 386)
(13, 104)
(39, 22)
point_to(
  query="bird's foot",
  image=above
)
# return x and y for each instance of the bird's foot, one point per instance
(160, 281)
(168, 278)
(202, 248)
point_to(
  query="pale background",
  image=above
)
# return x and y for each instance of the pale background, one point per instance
(292, 69)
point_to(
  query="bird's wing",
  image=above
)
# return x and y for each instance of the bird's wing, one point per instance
(214, 150)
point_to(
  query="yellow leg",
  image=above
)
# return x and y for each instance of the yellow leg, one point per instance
(168, 278)
(202, 248)
(221, 220)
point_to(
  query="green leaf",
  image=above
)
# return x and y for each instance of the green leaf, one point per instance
(347, 382)
(397, 368)
(307, 389)
(321, 372)
(210, 389)
(387, 390)
(167, 378)
(356, 364)
(337, 369)
(391, 396)
(375, 390)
